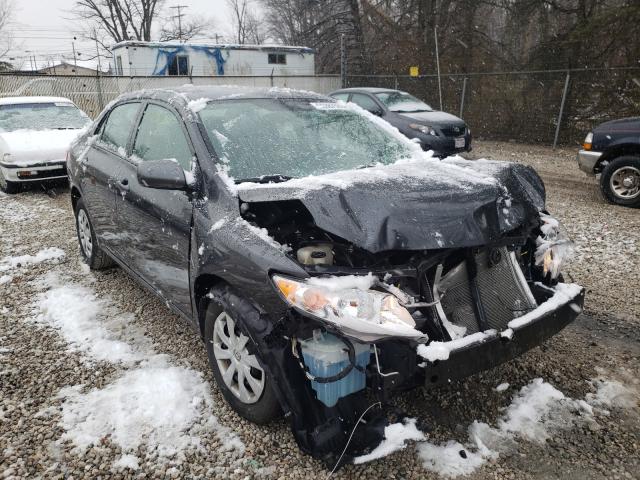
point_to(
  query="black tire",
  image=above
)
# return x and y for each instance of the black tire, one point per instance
(265, 407)
(7, 186)
(610, 174)
(94, 256)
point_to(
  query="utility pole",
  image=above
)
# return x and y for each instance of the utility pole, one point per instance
(435, 33)
(179, 17)
(95, 36)
(75, 59)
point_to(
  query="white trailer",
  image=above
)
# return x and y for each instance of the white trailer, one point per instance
(133, 58)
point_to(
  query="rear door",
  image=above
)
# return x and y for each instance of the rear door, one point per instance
(101, 166)
(158, 222)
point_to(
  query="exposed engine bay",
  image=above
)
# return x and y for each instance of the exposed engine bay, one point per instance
(427, 298)
(410, 284)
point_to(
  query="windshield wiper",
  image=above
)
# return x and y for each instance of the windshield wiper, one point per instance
(266, 179)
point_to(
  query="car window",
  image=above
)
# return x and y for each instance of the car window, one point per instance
(402, 102)
(365, 102)
(119, 124)
(41, 116)
(160, 136)
(341, 96)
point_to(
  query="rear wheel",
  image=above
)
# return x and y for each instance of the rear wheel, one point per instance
(620, 181)
(243, 382)
(89, 249)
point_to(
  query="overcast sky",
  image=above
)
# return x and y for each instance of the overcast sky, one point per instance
(44, 27)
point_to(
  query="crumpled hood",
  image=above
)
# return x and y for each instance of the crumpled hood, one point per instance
(37, 146)
(415, 205)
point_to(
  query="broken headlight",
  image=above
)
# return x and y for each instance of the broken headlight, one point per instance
(348, 306)
(554, 248)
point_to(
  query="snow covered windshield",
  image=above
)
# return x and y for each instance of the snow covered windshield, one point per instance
(41, 116)
(295, 138)
(401, 102)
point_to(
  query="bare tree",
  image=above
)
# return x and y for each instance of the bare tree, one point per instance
(186, 30)
(6, 11)
(119, 20)
(247, 27)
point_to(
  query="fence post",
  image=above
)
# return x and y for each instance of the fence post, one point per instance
(99, 89)
(564, 97)
(343, 62)
(464, 91)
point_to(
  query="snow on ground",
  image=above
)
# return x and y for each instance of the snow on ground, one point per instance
(50, 253)
(13, 211)
(150, 402)
(395, 436)
(535, 412)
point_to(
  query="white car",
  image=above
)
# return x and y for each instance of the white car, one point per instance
(35, 133)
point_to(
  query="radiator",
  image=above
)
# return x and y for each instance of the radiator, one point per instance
(504, 293)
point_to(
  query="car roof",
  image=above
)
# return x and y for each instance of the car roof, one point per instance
(32, 99)
(366, 90)
(187, 93)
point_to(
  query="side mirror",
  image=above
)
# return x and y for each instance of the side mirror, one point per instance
(161, 174)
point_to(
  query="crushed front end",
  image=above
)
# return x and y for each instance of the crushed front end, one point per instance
(370, 320)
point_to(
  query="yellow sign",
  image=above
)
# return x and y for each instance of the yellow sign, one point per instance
(414, 71)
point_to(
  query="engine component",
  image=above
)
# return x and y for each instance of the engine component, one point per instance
(326, 356)
(503, 290)
(315, 255)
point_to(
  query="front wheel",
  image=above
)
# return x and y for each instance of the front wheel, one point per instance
(243, 382)
(620, 181)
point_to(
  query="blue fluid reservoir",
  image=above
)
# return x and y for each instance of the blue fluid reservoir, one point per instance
(325, 355)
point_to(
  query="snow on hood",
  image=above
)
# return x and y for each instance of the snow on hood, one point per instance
(415, 204)
(36, 146)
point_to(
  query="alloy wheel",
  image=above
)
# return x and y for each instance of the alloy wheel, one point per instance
(84, 233)
(240, 370)
(625, 182)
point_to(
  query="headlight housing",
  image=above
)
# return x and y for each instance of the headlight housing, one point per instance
(6, 157)
(588, 141)
(348, 304)
(424, 129)
(554, 248)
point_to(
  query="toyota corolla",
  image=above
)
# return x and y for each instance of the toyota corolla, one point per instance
(326, 260)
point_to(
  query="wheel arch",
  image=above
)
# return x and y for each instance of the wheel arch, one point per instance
(615, 151)
(201, 287)
(75, 196)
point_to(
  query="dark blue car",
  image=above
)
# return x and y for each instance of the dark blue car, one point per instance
(441, 132)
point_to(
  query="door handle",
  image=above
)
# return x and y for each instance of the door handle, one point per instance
(123, 185)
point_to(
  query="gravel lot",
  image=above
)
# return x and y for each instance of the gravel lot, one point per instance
(36, 361)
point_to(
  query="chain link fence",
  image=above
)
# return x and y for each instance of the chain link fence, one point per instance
(92, 93)
(519, 106)
(525, 106)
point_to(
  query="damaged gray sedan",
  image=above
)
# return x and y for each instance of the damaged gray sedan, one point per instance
(326, 261)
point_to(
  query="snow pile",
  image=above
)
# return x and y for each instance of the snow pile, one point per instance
(150, 402)
(536, 411)
(196, 105)
(343, 282)
(51, 253)
(242, 227)
(563, 293)
(441, 350)
(5, 279)
(157, 405)
(91, 325)
(395, 436)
